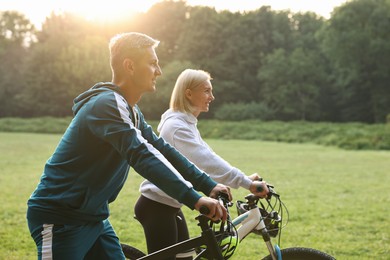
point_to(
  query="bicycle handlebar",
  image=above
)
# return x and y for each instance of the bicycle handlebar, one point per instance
(204, 210)
(224, 198)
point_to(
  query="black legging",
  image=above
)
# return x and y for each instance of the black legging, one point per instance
(163, 225)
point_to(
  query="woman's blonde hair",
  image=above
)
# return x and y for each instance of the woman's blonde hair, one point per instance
(188, 79)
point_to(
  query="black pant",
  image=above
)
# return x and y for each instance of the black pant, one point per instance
(163, 225)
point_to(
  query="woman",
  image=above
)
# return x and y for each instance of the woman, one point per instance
(159, 214)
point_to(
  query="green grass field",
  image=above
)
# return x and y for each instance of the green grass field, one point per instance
(338, 200)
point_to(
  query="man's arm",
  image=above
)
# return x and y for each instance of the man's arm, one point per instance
(110, 120)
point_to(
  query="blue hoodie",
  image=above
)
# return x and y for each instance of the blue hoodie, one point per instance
(91, 162)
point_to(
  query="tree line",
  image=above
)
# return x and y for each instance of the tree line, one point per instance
(265, 64)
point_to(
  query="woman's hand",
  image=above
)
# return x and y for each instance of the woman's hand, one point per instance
(255, 177)
(259, 188)
(220, 188)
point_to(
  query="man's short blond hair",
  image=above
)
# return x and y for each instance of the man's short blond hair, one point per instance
(188, 79)
(128, 45)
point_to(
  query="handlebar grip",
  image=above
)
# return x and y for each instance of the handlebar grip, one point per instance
(204, 210)
(259, 189)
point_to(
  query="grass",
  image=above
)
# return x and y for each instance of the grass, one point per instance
(349, 136)
(337, 199)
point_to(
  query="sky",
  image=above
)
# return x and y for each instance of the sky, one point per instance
(38, 10)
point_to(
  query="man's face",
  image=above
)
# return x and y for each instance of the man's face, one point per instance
(146, 71)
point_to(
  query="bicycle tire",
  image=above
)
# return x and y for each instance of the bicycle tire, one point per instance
(302, 253)
(131, 253)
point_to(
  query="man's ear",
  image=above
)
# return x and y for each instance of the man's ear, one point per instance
(128, 65)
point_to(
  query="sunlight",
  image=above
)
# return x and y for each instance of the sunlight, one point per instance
(112, 10)
(92, 10)
(106, 11)
(322, 7)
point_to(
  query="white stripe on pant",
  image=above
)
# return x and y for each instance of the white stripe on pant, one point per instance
(47, 241)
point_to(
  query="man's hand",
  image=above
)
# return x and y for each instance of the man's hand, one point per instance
(259, 188)
(220, 188)
(216, 210)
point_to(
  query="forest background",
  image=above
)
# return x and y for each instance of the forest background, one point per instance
(294, 77)
(266, 65)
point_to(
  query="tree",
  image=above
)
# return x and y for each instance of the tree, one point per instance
(231, 46)
(290, 84)
(15, 29)
(305, 28)
(67, 59)
(292, 66)
(200, 41)
(16, 33)
(165, 21)
(260, 33)
(356, 41)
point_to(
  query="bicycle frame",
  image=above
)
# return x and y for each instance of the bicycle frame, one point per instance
(249, 221)
(208, 238)
(252, 220)
(207, 244)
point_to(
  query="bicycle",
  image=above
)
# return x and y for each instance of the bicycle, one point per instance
(220, 240)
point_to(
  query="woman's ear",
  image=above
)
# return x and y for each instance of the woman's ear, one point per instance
(188, 93)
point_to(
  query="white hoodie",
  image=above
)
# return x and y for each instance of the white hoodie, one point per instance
(179, 129)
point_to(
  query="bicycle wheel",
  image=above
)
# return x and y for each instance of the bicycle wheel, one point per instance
(302, 253)
(131, 253)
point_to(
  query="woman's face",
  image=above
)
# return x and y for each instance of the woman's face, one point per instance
(200, 97)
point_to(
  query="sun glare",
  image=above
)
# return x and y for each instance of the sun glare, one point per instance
(107, 10)
(112, 10)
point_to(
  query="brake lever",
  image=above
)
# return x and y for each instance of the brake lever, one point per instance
(271, 192)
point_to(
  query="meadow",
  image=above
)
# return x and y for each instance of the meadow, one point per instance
(337, 199)
(349, 136)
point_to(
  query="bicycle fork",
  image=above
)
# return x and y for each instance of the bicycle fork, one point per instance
(249, 221)
(268, 243)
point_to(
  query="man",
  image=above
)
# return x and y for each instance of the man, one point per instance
(68, 212)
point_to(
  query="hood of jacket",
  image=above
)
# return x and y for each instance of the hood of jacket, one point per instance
(190, 118)
(84, 97)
